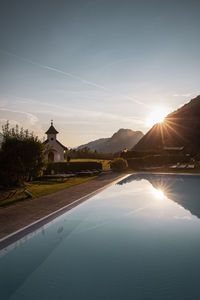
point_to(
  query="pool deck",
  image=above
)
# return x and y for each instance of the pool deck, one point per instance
(20, 215)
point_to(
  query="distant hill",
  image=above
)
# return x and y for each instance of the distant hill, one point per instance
(124, 138)
(180, 128)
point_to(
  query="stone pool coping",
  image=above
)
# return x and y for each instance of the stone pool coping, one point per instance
(22, 219)
(165, 173)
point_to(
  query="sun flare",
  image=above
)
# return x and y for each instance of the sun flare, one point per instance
(157, 116)
(158, 193)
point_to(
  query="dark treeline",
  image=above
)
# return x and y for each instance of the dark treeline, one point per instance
(87, 153)
(147, 159)
(137, 154)
(156, 161)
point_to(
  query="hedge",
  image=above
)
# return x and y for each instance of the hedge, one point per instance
(118, 164)
(156, 161)
(64, 167)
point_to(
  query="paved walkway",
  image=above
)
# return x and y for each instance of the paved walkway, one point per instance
(21, 214)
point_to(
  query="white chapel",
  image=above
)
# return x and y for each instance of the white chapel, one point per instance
(56, 149)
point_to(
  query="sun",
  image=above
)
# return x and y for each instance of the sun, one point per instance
(157, 116)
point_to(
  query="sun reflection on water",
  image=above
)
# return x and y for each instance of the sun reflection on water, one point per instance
(158, 193)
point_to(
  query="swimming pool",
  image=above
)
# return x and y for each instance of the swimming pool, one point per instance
(138, 239)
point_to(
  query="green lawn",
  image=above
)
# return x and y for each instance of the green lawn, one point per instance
(41, 188)
(105, 162)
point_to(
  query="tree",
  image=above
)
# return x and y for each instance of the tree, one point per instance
(118, 164)
(22, 156)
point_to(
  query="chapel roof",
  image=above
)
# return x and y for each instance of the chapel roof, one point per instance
(51, 129)
(61, 145)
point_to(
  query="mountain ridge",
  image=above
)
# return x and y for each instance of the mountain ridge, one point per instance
(180, 128)
(123, 138)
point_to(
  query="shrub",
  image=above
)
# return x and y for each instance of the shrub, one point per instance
(21, 156)
(118, 164)
(64, 167)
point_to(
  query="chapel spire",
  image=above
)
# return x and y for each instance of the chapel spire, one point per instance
(51, 129)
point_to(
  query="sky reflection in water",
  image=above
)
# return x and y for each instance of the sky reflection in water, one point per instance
(136, 240)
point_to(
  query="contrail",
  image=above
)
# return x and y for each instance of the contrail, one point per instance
(56, 70)
(137, 101)
(82, 80)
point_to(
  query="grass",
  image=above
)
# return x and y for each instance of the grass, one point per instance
(105, 162)
(41, 188)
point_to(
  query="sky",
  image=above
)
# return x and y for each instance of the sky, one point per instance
(95, 66)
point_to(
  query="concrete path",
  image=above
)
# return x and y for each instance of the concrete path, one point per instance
(19, 215)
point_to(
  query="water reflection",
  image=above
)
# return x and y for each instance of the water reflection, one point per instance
(158, 193)
(42, 243)
(60, 229)
(126, 242)
(182, 189)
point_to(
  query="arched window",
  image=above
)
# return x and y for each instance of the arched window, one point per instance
(51, 156)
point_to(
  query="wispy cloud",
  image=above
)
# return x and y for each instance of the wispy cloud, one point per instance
(83, 114)
(182, 95)
(66, 116)
(22, 118)
(73, 114)
(12, 123)
(189, 218)
(32, 118)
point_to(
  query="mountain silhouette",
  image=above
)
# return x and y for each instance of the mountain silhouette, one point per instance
(180, 128)
(123, 138)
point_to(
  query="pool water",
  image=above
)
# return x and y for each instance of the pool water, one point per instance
(138, 239)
